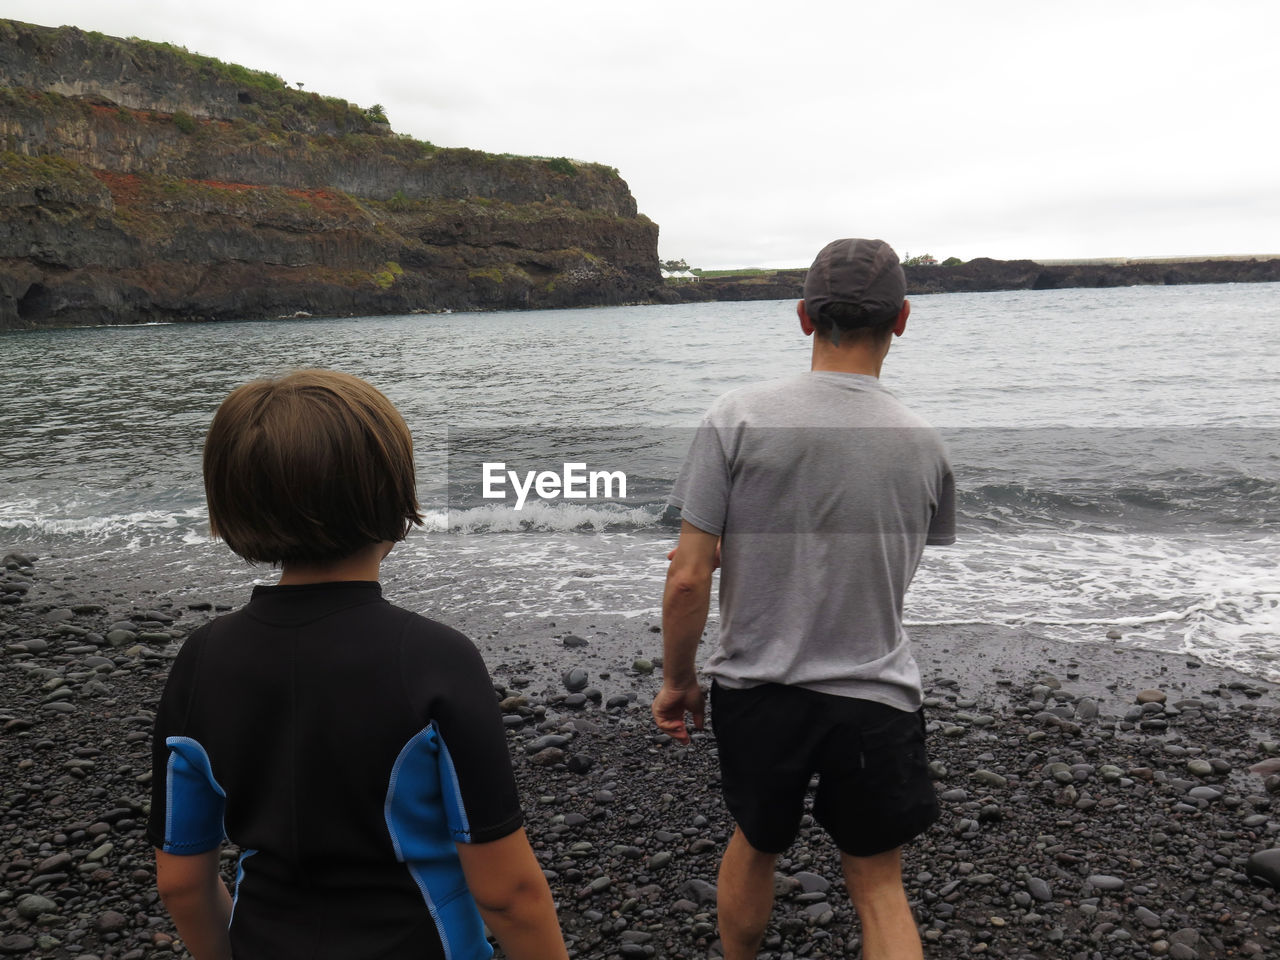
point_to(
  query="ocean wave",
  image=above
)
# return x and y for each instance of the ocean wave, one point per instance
(541, 517)
(165, 524)
(1229, 499)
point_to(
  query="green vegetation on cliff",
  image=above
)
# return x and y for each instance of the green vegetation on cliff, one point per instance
(41, 176)
(224, 90)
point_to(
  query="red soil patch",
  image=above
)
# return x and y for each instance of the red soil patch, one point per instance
(326, 200)
(225, 185)
(124, 187)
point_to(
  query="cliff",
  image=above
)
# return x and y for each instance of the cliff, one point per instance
(140, 182)
(983, 274)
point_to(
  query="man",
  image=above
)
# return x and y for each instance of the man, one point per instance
(816, 496)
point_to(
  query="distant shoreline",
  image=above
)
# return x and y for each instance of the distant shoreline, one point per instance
(987, 275)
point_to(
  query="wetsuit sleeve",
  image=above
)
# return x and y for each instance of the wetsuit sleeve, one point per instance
(187, 803)
(701, 490)
(476, 779)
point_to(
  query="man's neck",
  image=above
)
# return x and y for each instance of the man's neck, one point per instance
(861, 357)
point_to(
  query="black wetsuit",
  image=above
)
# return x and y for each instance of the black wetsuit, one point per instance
(345, 745)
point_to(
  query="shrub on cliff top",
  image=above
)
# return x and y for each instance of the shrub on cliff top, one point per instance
(922, 260)
(563, 165)
(208, 66)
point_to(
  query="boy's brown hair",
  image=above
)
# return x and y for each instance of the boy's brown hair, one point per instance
(308, 468)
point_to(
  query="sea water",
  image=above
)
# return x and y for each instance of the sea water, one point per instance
(1116, 452)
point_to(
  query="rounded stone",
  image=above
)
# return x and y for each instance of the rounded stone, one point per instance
(112, 921)
(1151, 696)
(1102, 881)
(121, 638)
(1205, 793)
(1264, 865)
(990, 778)
(547, 757)
(1199, 768)
(33, 905)
(812, 882)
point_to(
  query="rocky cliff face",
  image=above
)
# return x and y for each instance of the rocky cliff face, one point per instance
(139, 182)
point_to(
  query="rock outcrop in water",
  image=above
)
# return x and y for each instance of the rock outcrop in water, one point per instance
(139, 182)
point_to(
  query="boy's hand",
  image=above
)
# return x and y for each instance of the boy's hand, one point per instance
(671, 705)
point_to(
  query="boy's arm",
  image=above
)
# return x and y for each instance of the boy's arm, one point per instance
(508, 886)
(198, 901)
(685, 602)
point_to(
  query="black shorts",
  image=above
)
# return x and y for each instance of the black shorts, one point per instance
(874, 789)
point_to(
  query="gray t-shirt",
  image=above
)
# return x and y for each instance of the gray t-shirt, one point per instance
(825, 489)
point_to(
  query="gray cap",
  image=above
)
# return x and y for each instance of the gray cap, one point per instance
(865, 273)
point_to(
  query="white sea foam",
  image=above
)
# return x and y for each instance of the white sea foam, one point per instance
(1217, 599)
(549, 517)
(127, 530)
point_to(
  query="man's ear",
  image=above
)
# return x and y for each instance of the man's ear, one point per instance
(901, 324)
(806, 324)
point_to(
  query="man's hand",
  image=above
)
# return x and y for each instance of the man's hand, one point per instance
(685, 601)
(671, 705)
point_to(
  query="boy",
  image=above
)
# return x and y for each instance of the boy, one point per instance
(353, 750)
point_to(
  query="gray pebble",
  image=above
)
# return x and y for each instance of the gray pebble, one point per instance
(32, 905)
(1106, 882)
(1039, 889)
(990, 778)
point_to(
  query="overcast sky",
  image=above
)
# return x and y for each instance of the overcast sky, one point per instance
(753, 133)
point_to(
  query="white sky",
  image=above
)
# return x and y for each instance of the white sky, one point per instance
(753, 133)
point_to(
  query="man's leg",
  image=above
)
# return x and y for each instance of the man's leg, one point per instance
(875, 887)
(744, 897)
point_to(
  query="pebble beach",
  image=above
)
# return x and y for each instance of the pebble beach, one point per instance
(1098, 800)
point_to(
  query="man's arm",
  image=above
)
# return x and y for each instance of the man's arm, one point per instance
(508, 886)
(685, 602)
(198, 901)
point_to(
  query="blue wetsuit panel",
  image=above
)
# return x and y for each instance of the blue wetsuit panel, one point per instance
(195, 804)
(425, 817)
